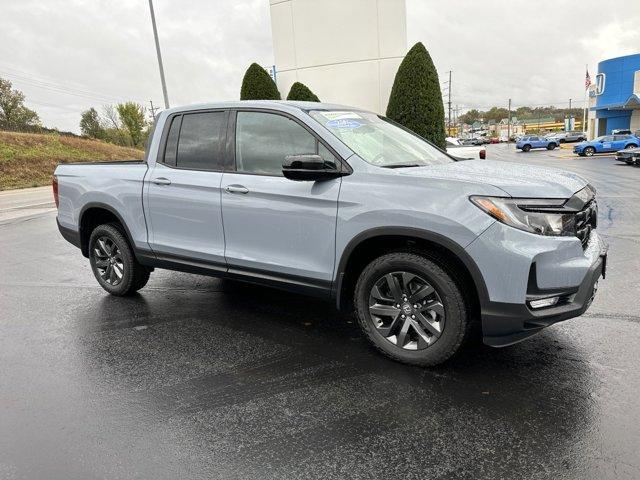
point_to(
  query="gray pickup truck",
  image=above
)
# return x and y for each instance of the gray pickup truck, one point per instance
(346, 205)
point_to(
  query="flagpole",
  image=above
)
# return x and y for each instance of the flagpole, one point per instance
(586, 100)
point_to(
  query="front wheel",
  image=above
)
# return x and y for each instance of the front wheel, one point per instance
(631, 145)
(589, 151)
(113, 262)
(551, 146)
(526, 148)
(411, 309)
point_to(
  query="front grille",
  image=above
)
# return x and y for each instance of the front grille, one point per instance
(586, 220)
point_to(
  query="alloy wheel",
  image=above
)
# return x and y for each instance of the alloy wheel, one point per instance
(108, 261)
(406, 310)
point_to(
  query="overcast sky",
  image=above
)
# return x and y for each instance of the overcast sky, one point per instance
(69, 55)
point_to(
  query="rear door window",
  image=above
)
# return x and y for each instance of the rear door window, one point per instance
(200, 141)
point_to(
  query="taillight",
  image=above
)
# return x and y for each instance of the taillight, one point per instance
(54, 184)
(483, 154)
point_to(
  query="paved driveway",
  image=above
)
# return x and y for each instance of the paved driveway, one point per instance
(200, 378)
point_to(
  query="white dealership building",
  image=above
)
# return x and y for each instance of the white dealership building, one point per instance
(345, 51)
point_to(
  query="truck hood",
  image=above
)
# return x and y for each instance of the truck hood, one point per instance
(514, 179)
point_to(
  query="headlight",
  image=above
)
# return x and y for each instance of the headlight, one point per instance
(535, 215)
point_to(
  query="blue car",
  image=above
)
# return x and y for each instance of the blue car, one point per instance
(606, 143)
(526, 143)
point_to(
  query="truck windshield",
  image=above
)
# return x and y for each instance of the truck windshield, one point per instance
(378, 141)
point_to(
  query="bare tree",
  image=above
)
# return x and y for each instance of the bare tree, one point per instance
(112, 117)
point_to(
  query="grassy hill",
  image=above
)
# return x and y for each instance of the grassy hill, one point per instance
(28, 159)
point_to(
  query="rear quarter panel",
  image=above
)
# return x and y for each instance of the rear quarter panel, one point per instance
(118, 186)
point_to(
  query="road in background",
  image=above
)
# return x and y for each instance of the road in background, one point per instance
(25, 202)
(201, 378)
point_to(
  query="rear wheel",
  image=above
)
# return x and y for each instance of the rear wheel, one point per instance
(113, 262)
(589, 151)
(411, 309)
(526, 148)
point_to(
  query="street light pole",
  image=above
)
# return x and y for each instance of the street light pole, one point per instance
(155, 36)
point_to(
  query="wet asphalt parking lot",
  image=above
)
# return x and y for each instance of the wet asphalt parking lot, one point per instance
(202, 378)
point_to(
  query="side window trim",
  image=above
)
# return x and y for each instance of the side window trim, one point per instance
(223, 140)
(231, 140)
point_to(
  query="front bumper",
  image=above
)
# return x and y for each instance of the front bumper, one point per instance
(506, 323)
(520, 267)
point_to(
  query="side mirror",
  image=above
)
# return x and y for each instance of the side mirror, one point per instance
(309, 167)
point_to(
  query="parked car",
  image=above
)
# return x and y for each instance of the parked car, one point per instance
(568, 137)
(631, 156)
(456, 148)
(494, 140)
(345, 205)
(526, 143)
(606, 143)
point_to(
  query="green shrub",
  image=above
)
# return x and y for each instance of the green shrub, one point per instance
(416, 99)
(257, 85)
(300, 92)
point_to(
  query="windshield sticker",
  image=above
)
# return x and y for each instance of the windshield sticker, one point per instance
(339, 115)
(343, 123)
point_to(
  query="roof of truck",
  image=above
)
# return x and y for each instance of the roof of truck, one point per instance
(276, 104)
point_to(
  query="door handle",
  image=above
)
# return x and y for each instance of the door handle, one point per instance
(236, 189)
(161, 181)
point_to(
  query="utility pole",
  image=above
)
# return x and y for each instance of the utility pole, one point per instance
(449, 102)
(509, 123)
(153, 109)
(155, 36)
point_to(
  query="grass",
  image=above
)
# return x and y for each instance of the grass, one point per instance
(29, 159)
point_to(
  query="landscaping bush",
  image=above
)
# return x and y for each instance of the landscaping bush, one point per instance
(257, 85)
(300, 92)
(416, 99)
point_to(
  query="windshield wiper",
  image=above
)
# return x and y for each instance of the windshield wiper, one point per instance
(403, 165)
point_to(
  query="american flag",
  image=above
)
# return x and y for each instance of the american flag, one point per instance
(587, 80)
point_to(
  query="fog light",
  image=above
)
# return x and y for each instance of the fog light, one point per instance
(544, 302)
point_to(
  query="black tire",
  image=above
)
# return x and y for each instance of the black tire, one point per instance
(132, 276)
(631, 145)
(589, 151)
(456, 323)
(526, 148)
(551, 146)
(562, 140)
(581, 154)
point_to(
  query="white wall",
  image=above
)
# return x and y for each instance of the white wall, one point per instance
(345, 51)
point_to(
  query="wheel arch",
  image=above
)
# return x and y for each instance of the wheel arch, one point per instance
(374, 242)
(97, 213)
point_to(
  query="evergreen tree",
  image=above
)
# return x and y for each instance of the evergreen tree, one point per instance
(257, 85)
(91, 125)
(299, 91)
(416, 99)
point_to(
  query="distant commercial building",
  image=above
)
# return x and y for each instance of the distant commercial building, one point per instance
(614, 97)
(345, 51)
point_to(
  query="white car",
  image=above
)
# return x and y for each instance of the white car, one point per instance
(457, 149)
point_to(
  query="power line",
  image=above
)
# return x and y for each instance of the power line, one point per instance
(35, 81)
